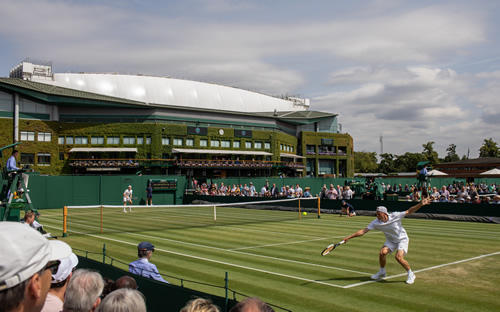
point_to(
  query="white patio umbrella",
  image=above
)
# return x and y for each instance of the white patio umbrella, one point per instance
(436, 173)
(495, 171)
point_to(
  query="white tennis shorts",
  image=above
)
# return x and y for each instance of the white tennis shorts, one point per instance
(402, 245)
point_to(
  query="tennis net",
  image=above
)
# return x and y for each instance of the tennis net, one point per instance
(112, 219)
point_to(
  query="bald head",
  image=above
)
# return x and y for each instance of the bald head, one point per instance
(252, 304)
(126, 282)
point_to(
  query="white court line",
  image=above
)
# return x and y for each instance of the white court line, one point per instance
(426, 269)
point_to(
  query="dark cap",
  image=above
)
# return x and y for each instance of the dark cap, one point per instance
(343, 202)
(145, 246)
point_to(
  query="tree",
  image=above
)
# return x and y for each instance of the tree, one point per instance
(386, 163)
(489, 149)
(408, 161)
(365, 162)
(429, 153)
(452, 154)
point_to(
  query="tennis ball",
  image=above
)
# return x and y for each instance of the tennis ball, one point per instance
(304, 213)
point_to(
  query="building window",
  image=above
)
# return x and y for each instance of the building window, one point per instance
(129, 140)
(60, 139)
(225, 143)
(248, 144)
(189, 142)
(43, 159)
(140, 140)
(291, 149)
(70, 140)
(310, 150)
(288, 148)
(27, 136)
(258, 145)
(236, 144)
(165, 141)
(267, 145)
(148, 140)
(203, 142)
(281, 147)
(177, 141)
(27, 158)
(61, 156)
(112, 140)
(81, 140)
(164, 156)
(214, 143)
(44, 136)
(97, 140)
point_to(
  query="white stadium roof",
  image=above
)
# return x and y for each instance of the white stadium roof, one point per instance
(170, 91)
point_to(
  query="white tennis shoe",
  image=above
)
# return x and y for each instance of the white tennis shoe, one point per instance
(411, 278)
(380, 274)
(125, 211)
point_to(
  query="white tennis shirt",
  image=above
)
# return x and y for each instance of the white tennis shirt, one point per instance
(392, 229)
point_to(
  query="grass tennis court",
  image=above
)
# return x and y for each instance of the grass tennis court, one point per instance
(276, 256)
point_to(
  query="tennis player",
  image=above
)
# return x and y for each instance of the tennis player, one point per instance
(396, 237)
(127, 198)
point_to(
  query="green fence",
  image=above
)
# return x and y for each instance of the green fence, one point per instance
(60, 191)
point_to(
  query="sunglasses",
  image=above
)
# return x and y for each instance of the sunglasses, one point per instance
(53, 266)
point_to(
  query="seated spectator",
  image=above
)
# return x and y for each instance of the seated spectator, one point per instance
(307, 192)
(252, 304)
(442, 199)
(84, 291)
(142, 266)
(123, 300)
(453, 199)
(27, 261)
(476, 200)
(200, 305)
(29, 219)
(125, 282)
(496, 199)
(60, 281)
(109, 286)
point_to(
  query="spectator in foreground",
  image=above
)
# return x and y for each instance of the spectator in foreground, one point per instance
(60, 281)
(125, 282)
(84, 291)
(252, 304)
(142, 266)
(123, 300)
(200, 305)
(27, 261)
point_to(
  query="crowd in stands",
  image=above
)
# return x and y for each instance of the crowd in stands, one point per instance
(285, 191)
(455, 193)
(103, 163)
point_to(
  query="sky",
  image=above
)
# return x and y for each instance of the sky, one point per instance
(410, 72)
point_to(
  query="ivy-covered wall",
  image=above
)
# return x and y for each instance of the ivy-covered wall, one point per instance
(155, 131)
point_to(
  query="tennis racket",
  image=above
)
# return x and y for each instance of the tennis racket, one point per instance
(330, 248)
(134, 198)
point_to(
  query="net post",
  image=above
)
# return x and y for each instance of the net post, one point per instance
(319, 208)
(65, 221)
(102, 208)
(300, 214)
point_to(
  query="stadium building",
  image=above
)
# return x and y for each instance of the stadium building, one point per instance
(83, 123)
